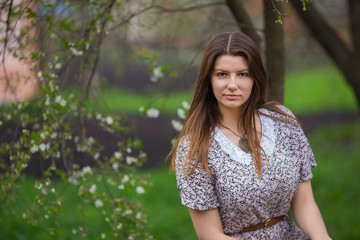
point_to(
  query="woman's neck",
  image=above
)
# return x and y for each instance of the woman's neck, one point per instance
(230, 119)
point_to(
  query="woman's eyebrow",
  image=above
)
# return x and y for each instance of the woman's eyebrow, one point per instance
(223, 69)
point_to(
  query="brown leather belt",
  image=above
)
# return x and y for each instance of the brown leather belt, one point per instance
(268, 223)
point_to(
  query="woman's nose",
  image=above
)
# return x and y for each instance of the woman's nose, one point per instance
(232, 83)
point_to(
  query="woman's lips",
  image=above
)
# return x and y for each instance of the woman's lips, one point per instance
(232, 96)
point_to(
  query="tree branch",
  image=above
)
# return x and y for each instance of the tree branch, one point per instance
(325, 35)
(354, 10)
(167, 10)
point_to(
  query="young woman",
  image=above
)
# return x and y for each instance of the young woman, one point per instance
(242, 163)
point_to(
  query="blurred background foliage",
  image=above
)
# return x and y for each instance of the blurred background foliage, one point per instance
(315, 90)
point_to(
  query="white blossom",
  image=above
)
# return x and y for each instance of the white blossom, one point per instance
(181, 113)
(86, 170)
(142, 155)
(96, 156)
(63, 102)
(91, 140)
(109, 120)
(58, 66)
(185, 105)
(128, 212)
(130, 160)
(138, 215)
(75, 52)
(125, 179)
(119, 226)
(98, 116)
(34, 148)
(40, 75)
(73, 180)
(43, 135)
(176, 125)
(141, 109)
(117, 155)
(92, 189)
(53, 135)
(115, 166)
(157, 74)
(140, 190)
(128, 150)
(153, 113)
(121, 187)
(58, 99)
(98, 203)
(38, 185)
(103, 236)
(42, 147)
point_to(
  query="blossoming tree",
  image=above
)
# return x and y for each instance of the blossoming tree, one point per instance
(61, 42)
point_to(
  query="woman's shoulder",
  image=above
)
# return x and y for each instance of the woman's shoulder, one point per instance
(280, 114)
(277, 110)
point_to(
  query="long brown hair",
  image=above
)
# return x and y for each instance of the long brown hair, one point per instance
(204, 113)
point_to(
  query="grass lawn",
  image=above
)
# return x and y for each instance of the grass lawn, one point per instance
(129, 102)
(318, 90)
(335, 186)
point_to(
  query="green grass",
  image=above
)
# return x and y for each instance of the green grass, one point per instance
(336, 181)
(129, 102)
(318, 90)
(335, 186)
(169, 219)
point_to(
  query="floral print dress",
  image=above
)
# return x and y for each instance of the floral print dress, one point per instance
(242, 198)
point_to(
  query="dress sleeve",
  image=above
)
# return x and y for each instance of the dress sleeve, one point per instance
(197, 191)
(306, 158)
(304, 154)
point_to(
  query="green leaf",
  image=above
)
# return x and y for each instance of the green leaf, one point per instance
(29, 13)
(138, 144)
(165, 69)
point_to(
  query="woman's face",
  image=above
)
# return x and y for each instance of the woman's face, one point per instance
(231, 82)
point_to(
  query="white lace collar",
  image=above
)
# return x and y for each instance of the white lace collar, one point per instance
(267, 141)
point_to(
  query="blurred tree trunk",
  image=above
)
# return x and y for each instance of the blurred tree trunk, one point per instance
(346, 59)
(274, 43)
(243, 20)
(274, 51)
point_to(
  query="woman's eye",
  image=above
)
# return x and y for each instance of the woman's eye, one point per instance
(243, 74)
(221, 74)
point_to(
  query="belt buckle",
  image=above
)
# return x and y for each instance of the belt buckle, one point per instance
(266, 224)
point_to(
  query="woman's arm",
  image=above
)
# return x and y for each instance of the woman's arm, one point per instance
(207, 224)
(307, 213)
